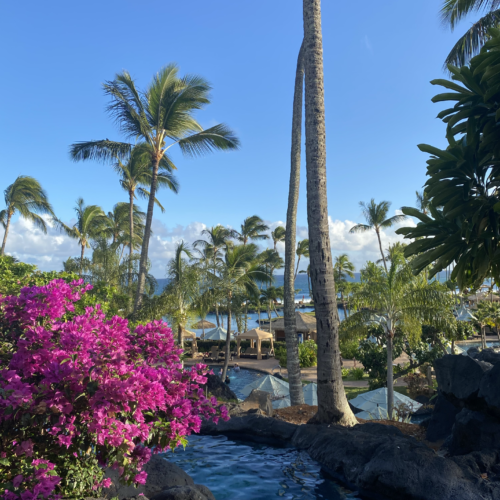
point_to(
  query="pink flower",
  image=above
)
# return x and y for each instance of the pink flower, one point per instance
(17, 480)
(141, 477)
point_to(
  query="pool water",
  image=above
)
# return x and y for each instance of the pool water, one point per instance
(235, 470)
(239, 379)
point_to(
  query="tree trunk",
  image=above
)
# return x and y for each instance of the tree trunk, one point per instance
(332, 401)
(228, 341)
(147, 233)
(131, 250)
(343, 304)
(390, 376)
(81, 259)
(483, 337)
(291, 338)
(381, 251)
(9, 216)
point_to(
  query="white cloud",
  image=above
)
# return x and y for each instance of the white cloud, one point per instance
(29, 244)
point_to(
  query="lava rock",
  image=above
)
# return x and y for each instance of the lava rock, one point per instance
(489, 355)
(458, 377)
(442, 419)
(195, 492)
(161, 475)
(218, 388)
(490, 389)
(260, 400)
(474, 431)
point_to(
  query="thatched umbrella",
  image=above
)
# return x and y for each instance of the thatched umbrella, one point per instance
(186, 334)
(202, 324)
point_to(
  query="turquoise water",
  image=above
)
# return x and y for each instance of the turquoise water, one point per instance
(235, 470)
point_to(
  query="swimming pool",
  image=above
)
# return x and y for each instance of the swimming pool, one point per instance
(235, 470)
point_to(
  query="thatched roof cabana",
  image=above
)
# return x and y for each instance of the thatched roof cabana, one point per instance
(203, 324)
(483, 296)
(305, 324)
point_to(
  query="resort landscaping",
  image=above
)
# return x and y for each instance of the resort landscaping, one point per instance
(230, 380)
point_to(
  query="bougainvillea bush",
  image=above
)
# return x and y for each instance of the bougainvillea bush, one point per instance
(80, 392)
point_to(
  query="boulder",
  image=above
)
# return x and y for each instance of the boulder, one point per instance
(258, 400)
(442, 419)
(489, 355)
(490, 390)
(216, 387)
(458, 377)
(474, 431)
(161, 475)
(195, 492)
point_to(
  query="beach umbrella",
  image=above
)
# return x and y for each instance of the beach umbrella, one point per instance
(281, 403)
(274, 385)
(203, 324)
(216, 334)
(370, 401)
(186, 334)
(311, 394)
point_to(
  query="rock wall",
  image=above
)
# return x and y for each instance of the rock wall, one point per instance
(467, 412)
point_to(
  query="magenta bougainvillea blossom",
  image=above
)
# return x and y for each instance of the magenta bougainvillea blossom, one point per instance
(84, 392)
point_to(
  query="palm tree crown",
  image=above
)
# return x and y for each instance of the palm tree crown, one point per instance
(302, 251)
(453, 11)
(252, 229)
(162, 116)
(26, 196)
(376, 218)
(278, 235)
(90, 224)
(343, 268)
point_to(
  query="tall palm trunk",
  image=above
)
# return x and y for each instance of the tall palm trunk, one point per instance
(332, 402)
(131, 247)
(147, 232)
(291, 337)
(381, 251)
(298, 262)
(9, 216)
(390, 375)
(228, 339)
(81, 259)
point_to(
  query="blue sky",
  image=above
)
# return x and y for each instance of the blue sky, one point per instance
(378, 56)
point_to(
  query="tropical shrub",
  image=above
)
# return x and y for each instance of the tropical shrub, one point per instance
(345, 372)
(349, 349)
(308, 354)
(357, 373)
(80, 392)
(417, 385)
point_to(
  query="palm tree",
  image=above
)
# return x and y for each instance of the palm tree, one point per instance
(397, 300)
(269, 296)
(308, 272)
(278, 235)
(332, 402)
(376, 218)
(291, 337)
(423, 201)
(272, 260)
(343, 269)
(239, 273)
(302, 251)
(163, 112)
(183, 288)
(26, 196)
(217, 240)
(453, 11)
(91, 222)
(252, 229)
(117, 225)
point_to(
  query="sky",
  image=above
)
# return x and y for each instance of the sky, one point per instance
(379, 58)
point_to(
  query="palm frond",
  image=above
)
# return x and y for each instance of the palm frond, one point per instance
(3, 218)
(453, 11)
(360, 228)
(103, 151)
(220, 137)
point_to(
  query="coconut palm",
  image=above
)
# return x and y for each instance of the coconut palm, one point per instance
(239, 273)
(376, 219)
(278, 235)
(253, 228)
(217, 238)
(291, 337)
(308, 272)
(117, 225)
(343, 269)
(423, 201)
(332, 402)
(272, 260)
(183, 290)
(453, 11)
(302, 251)
(91, 222)
(162, 116)
(397, 300)
(270, 295)
(26, 196)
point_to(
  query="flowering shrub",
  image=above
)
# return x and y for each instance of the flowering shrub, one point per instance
(81, 392)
